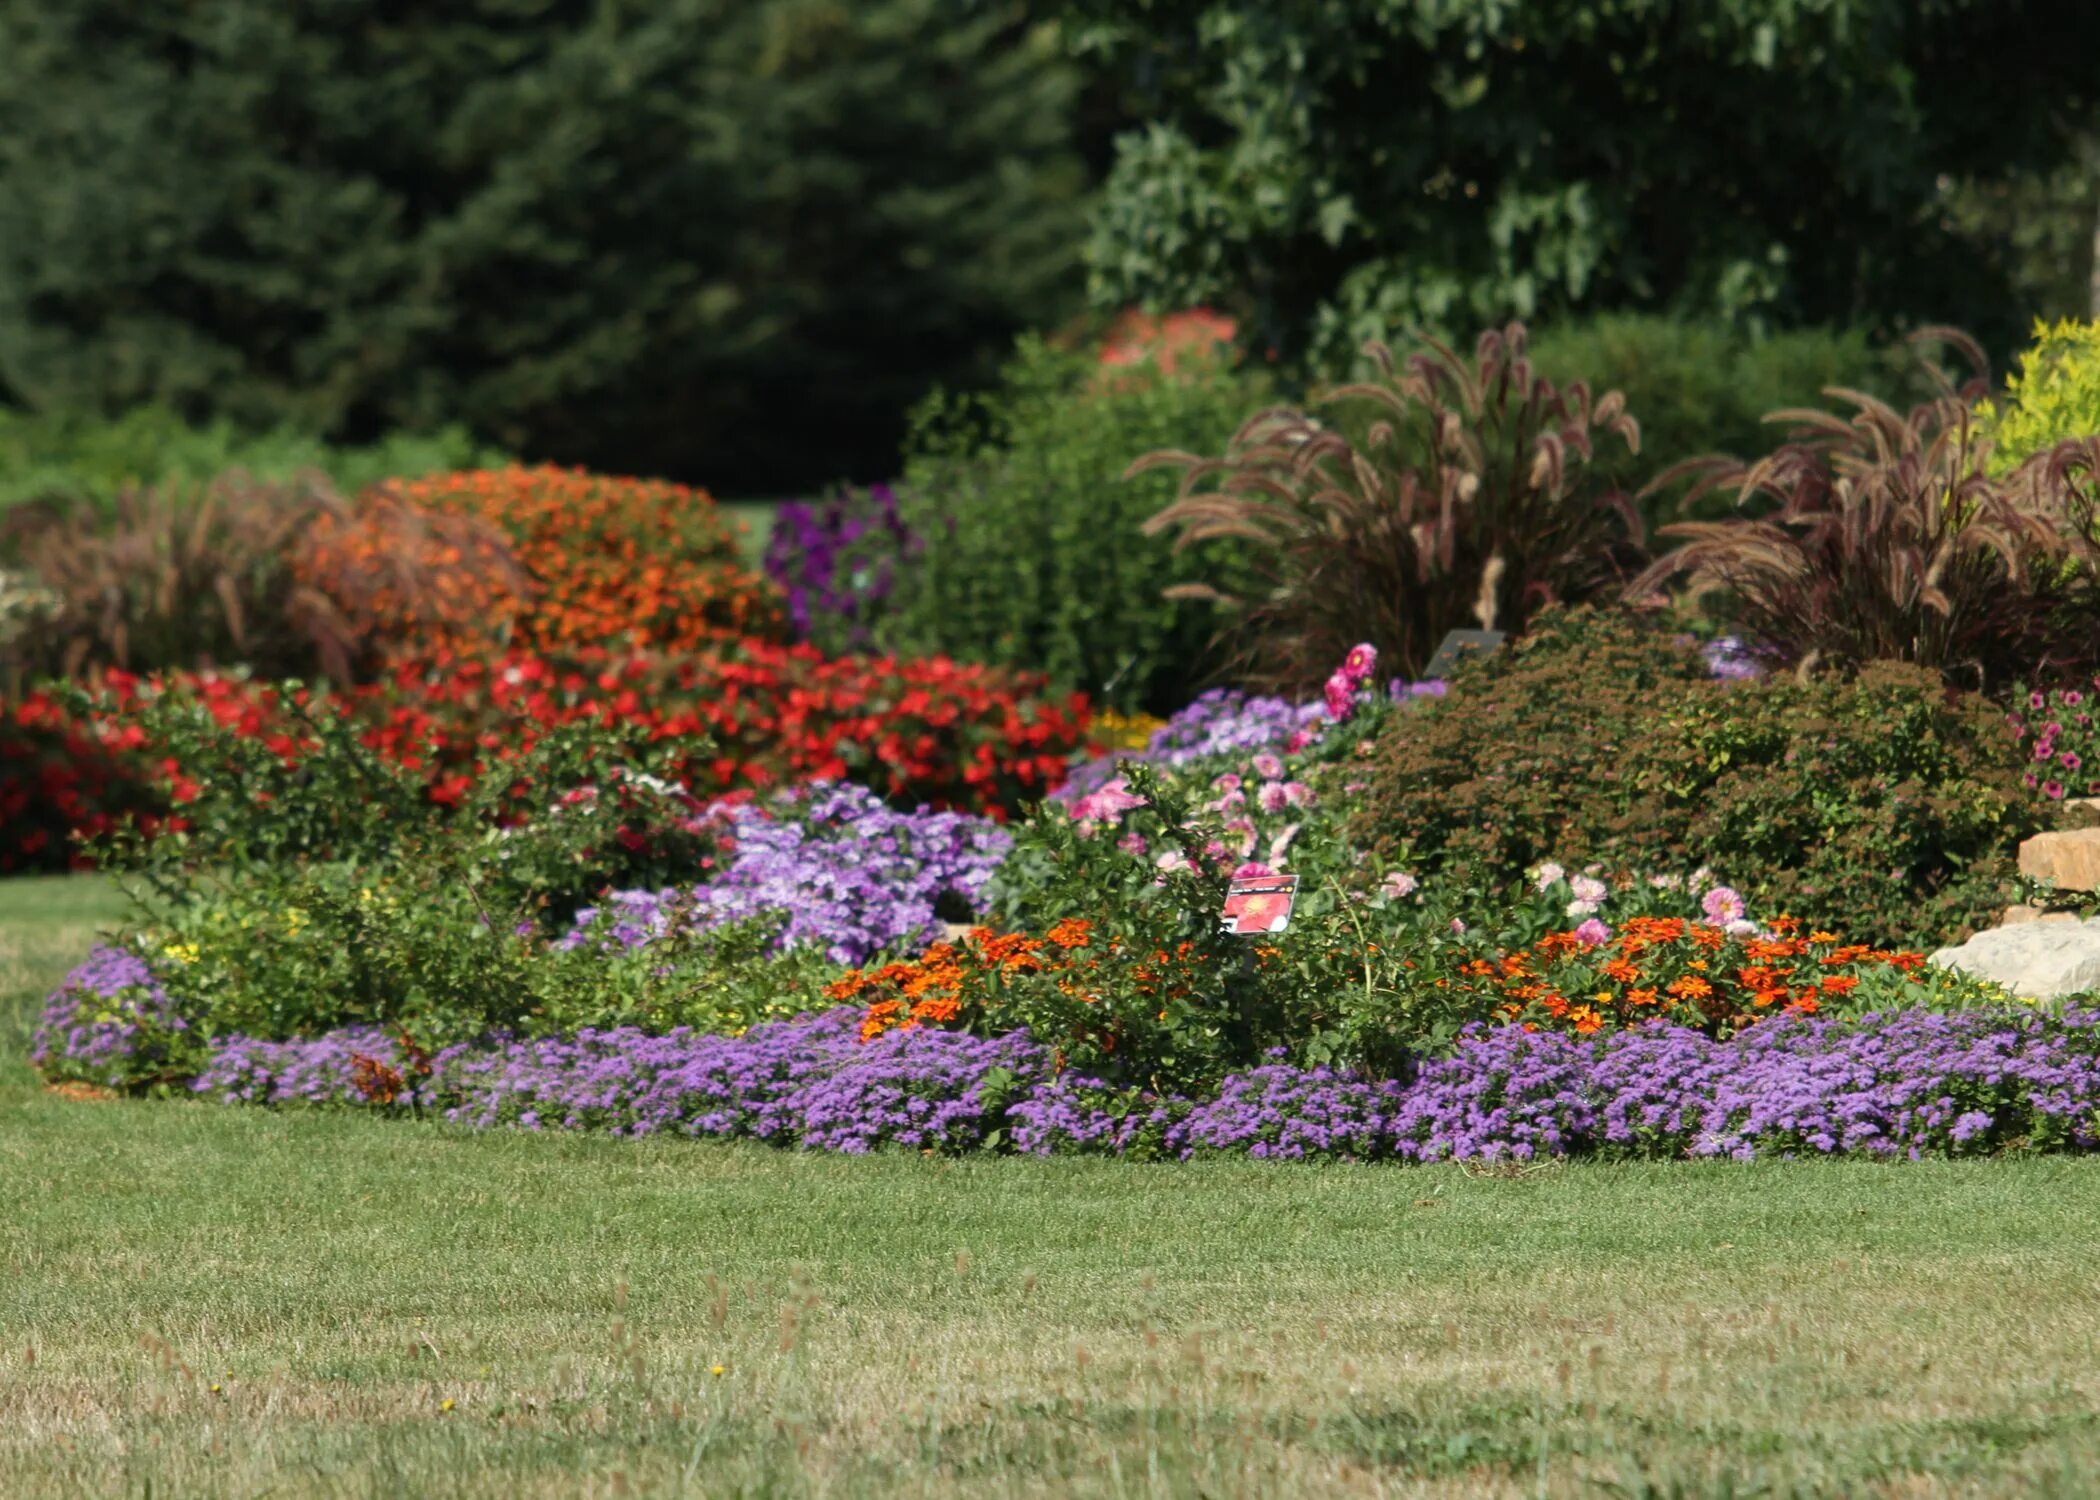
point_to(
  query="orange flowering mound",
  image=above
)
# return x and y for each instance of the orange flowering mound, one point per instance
(1685, 973)
(1136, 336)
(951, 983)
(592, 560)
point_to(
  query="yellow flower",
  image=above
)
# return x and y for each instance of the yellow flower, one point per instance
(718, 1370)
(182, 953)
(446, 1404)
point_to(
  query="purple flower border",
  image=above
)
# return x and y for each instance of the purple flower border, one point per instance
(1905, 1084)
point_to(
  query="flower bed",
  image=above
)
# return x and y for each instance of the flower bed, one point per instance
(1906, 1084)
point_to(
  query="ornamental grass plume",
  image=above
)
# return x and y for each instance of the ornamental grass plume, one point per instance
(1873, 534)
(1468, 493)
(183, 578)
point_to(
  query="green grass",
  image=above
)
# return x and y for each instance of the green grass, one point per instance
(203, 1301)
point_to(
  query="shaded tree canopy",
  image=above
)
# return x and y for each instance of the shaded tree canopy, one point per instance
(1340, 169)
(730, 240)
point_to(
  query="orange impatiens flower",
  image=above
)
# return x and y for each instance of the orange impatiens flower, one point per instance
(544, 559)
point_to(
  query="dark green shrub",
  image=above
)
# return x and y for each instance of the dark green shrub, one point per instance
(729, 240)
(1703, 386)
(1033, 550)
(1879, 805)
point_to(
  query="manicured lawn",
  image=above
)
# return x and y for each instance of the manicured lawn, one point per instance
(202, 1301)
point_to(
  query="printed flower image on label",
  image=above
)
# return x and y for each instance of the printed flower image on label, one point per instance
(1259, 903)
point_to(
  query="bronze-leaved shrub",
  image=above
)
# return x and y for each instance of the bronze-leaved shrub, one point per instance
(1878, 803)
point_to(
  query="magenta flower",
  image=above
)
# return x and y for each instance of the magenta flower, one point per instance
(1132, 842)
(1226, 783)
(2072, 698)
(1722, 906)
(1298, 794)
(2069, 760)
(1300, 739)
(1252, 869)
(1592, 934)
(2036, 700)
(1340, 694)
(2053, 790)
(1273, 798)
(1361, 661)
(1268, 767)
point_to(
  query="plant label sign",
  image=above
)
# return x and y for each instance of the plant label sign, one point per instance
(1459, 647)
(1258, 904)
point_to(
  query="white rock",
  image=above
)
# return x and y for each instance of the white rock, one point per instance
(2038, 960)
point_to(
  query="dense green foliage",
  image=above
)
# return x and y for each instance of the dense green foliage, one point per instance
(1876, 804)
(1353, 169)
(1032, 543)
(1700, 386)
(731, 240)
(74, 459)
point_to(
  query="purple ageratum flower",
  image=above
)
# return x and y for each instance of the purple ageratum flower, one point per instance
(1902, 1084)
(1405, 692)
(1727, 657)
(110, 1022)
(847, 873)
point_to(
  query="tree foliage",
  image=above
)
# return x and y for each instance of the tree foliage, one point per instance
(732, 239)
(1347, 169)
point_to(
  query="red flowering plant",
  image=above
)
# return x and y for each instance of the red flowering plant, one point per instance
(933, 731)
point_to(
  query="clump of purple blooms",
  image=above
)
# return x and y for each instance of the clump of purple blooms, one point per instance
(836, 561)
(844, 870)
(1904, 1085)
(809, 1082)
(110, 1022)
(1729, 658)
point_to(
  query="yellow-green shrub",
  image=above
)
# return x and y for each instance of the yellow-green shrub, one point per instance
(2053, 395)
